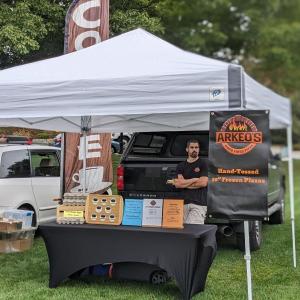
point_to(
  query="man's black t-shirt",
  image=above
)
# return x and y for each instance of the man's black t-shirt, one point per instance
(193, 170)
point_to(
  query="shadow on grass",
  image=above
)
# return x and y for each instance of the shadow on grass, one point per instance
(168, 290)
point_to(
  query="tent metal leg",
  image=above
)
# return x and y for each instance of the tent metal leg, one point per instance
(84, 161)
(62, 165)
(85, 128)
(291, 188)
(248, 259)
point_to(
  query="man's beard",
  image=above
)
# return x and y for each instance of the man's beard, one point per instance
(194, 154)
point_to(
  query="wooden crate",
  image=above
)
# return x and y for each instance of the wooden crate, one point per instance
(104, 209)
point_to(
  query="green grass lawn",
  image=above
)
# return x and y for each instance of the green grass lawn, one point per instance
(25, 275)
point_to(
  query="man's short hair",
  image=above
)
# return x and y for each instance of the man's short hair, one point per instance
(192, 141)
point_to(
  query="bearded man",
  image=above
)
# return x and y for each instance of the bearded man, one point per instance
(192, 179)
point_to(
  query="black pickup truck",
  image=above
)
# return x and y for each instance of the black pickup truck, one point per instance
(150, 159)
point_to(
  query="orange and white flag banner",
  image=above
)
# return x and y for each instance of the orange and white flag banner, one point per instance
(87, 23)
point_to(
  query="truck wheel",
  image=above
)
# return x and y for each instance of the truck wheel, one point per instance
(158, 277)
(255, 237)
(278, 216)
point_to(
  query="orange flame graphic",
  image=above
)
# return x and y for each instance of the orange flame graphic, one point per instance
(238, 126)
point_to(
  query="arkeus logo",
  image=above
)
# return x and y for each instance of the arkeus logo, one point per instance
(153, 202)
(239, 135)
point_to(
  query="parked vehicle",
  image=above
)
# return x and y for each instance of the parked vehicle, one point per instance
(115, 147)
(29, 179)
(57, 140)
(117, 137)
(17, 140)
(151, 159)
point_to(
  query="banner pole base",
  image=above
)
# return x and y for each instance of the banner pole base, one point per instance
(247, 258)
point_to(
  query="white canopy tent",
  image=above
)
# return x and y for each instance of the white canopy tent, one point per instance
(134, 82)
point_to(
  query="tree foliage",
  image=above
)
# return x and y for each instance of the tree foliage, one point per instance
(28, 30)
(129, 14)
(34, 29)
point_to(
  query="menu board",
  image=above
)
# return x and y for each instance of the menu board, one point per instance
(173, 213)
(152, 212)
(103, 209)
(133, 212)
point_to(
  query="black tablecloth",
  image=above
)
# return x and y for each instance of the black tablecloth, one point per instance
(186, 254)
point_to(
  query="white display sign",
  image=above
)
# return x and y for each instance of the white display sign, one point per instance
(152, 212)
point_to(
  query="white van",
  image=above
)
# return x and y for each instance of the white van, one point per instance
(30, 179)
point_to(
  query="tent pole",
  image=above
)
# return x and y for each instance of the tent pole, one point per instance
(85, 127)
(291, 188)
(62, 165)
(84, 161)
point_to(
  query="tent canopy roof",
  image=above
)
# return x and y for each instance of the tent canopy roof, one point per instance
(132, 82)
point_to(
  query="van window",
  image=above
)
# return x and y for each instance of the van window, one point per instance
(45, 163)
(15, 164)
(179, 144)
(148, 144)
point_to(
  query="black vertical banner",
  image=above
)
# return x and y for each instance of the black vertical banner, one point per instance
(239, 149)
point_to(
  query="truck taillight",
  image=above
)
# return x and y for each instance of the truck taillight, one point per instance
(120, 178)
(120, 170)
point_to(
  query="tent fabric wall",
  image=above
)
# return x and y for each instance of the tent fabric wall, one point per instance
(260, 97)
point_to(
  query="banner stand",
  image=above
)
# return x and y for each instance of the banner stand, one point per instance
(291, 188)
(248, 259)
(82, 15)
